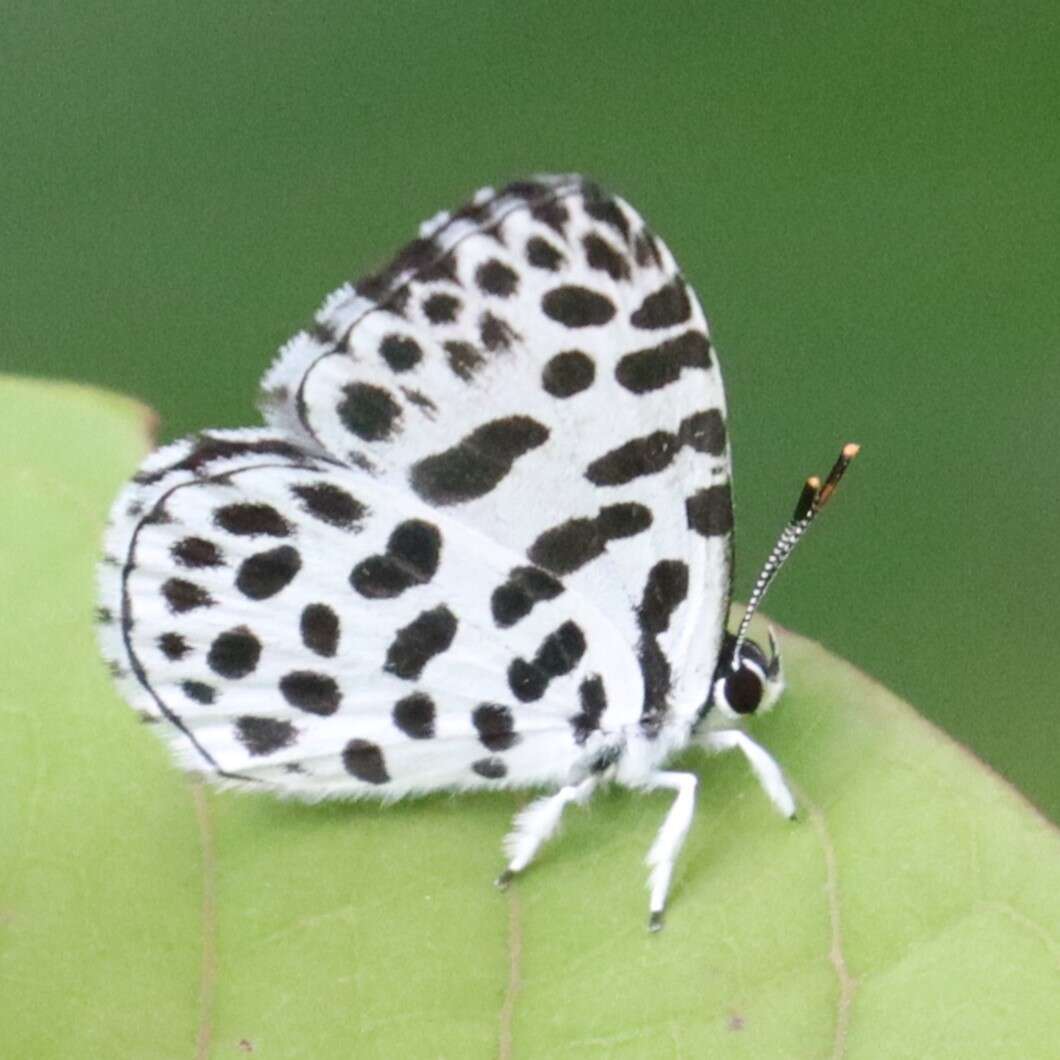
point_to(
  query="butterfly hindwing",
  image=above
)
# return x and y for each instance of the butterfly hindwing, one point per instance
(303, 624)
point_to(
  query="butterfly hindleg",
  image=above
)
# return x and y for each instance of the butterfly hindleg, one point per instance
(537, 822)
(670, 839)
(762, 764)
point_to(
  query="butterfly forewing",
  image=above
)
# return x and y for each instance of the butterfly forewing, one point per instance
(535, 365)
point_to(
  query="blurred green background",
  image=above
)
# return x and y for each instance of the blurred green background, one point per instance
(865, 197)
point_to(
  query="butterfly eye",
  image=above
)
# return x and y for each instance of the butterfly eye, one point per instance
(743, 690)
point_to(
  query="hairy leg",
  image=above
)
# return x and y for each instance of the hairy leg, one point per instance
(670, 839)
(762, 764)
(538, 822)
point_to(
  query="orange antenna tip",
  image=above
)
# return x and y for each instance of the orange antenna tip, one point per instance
(851, 450)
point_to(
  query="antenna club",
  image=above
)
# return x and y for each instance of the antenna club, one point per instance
(851, 450)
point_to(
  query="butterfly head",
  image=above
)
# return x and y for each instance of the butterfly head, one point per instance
(747, 681)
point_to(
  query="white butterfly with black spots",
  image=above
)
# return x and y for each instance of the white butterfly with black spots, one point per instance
(485, 540)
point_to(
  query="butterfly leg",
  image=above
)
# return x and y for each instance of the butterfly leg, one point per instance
(537, 822)
(670, 839)
(762, 764)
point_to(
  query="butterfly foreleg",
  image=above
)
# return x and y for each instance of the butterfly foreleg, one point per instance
(762, 763)
(538, 822)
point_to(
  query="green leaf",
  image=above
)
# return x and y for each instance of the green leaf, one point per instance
(913, 910)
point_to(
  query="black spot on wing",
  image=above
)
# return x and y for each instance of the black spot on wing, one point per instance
(401, 352)
(637, 457)
(368, 411)
(577, 307)
(559, 654)
(330, 504)
(526, 189)
(496, 334)
(477, 464)
(414, 715)
(592, 698)
(603, 256)
(365, 761)
(252, 520)
(525, 587)
(264, 736)
(561, 651)
(568, 373)
(495, 726)
(709, 510)
(569, 546)
(490, 768)
(441, 308)
(464, 359)
(542, 254)
(415, 257)
(427, 635)
(646, 250)
(310, 691)
(398, 301)
(419, 399)
(496, 278)
(475, 210)
(411, 558)
(601, 207)
(195, 552)
(173, 646)
(264, 574)
(552, 213)
(181, 595)
(199, 692)
(319, 627)
(665, 307)
(234, 653)
(444, 268)
(702, 431)
(658, 366)
(358, 459)
(666, 588)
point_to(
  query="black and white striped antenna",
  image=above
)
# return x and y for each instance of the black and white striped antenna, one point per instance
(813, 498)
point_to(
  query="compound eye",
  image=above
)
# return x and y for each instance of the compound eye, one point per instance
(743, 690)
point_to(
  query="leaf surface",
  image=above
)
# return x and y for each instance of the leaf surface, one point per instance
(912, 910)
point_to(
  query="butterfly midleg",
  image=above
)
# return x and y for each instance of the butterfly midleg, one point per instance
(762, 764)
(537, 822)
(670, 839)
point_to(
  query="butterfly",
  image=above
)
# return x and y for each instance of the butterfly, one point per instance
(483, 542)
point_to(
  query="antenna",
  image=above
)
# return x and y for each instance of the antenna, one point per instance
(813, 498)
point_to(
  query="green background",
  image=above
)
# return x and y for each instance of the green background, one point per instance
(864, 196)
